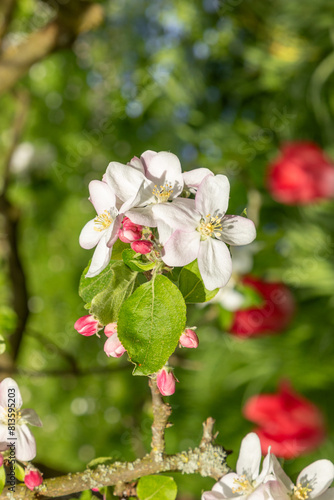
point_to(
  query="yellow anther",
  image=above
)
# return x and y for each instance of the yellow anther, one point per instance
(301, 492)
(210, 227)
(163, 193)
(103, 221)
(243, 485)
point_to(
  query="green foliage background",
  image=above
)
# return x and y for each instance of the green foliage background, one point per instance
(220, 84)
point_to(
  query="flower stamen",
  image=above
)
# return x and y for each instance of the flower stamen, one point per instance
(163, 193)
(301, 492)
(244, 486)
(103, 221)
(210, 227)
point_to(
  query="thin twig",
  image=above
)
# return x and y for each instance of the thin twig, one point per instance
(161, 413)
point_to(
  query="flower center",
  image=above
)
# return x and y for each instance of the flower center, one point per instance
(163, 193)
(10, 415)
(210, 227)
(103, 221)
(243, 485)
(301, 492)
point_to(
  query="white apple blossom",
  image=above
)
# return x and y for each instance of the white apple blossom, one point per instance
(193, 178)
(247, 482)
(25, 445)
(200, 229)
(154, 178)
(313, 482)
(102, 231)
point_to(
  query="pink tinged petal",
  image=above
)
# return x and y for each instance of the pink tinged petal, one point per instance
(237, 230)
(143, 216)
(1, 460)
(33, 479)
(3, 432)
(113, 347)
(226, 484)
(278, 490)
(189, 339)
(213, 195)
(144, 247)
(124, 180)
(166, 167)
(100, 258)
(262, 492)
(166, 382)
(25, 444)
(110, 329)
(146, 157)
(101, 196)
(180, 214)
(214, 263)
(249, 460)
(136, 163)
(89, 237)
(113, 230)
(31, 417)
(10, 384)
(318, 476)
(87, 325)
(193, 178)
(129, 235)
(181, 248)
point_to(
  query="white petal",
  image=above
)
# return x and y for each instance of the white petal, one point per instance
(215, 263)
(146, 158)
(212, 195)
(143, 216)
(266, 468)
(165, 232)
(100, 258)
(136, 163)
(124, 180)
(212, 495)
(193, 178)
(3, 434)
(319, 476)
(261, 493)
(112, 232)
(89, 237)
(249, 460)
(278, 472)
(101, 196)
(166, 167)
(14, 393)
(237, 230)
(181, 248)
(226, 484)
(144, 196)
(25, 444)
(31, 417)
(229, 299)
(179, 214)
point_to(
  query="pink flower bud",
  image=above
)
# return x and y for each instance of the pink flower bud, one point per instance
(95, 489)
(87, 325)
(166, 382)
(142, 246)
(189, 339)
(1, 459)
(129, 235)
(128, 224)
(110, 329)
(113, 347)
(33, 478)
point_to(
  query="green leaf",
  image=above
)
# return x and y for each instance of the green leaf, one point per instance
(118, 249)
(2, 478)
(134, 261)
(150, 324)
(156, 488)
(106, 304)
(19, 472)
(86, 495)
(192, 287)
(100, 461)
(226, 319)
(89, 287)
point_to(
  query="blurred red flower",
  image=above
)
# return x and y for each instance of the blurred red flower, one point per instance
(301, 175)
(273, 315)
(287, 422)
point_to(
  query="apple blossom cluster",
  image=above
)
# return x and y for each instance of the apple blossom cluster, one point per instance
(271, 483)
(152, 192)
(161, 239)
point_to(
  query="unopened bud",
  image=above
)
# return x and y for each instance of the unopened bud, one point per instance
(87, 325)
(1, 459)
(189, 339)
(166, 382)
(110, 329)
(33, 478)
(128, 224)
(142, 246)
(129, 235)
(113, 347)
